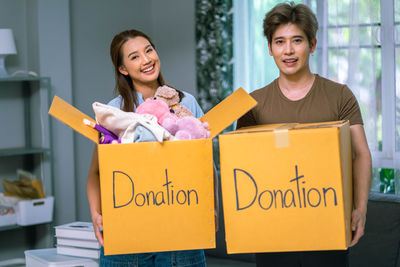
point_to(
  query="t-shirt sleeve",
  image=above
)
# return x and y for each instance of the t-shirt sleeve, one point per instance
(349, 109)
(246, 120)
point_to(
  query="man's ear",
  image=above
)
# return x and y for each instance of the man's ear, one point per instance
(313, 45)
(122, 70)
(269, 48)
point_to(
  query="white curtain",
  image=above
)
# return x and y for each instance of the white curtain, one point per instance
(397, 83)
(254, 67)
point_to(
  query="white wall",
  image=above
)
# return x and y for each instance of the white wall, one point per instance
(173, 31)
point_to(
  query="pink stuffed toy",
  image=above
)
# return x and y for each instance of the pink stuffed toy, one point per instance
(157, 108)
(187, 128)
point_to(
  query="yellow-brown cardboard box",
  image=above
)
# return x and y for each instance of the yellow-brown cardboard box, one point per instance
(287, 187)
(158, 196)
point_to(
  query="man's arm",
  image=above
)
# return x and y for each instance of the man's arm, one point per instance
(362, 174)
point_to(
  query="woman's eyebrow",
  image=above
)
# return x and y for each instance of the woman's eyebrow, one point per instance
(131, 53)
(134, 52)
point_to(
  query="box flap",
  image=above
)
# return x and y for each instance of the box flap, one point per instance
(72, 117)
(219, 117)
(281, 131)
(287, 126)
(228, 110)
(321, 124)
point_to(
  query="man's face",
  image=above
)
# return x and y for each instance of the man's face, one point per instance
(291, 50)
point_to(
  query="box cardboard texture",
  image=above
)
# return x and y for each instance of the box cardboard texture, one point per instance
(158, 196)
(287, 187)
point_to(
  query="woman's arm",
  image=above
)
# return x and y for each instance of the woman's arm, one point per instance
(93, 193)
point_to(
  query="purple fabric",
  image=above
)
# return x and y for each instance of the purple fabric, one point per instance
(105, 131)
(108, 139)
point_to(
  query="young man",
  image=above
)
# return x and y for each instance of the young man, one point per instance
(298, 95)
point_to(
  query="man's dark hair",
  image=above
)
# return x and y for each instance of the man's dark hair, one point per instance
(284, 13)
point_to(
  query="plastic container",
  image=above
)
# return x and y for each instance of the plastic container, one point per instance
(7, 216)
(35, 211)
(48, 258)
(8, 219)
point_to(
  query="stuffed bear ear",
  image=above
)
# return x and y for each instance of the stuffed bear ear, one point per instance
(166, 92)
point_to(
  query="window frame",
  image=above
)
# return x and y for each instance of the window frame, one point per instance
(386, 157)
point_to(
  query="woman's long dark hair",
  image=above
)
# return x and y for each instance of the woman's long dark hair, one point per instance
(123, 83)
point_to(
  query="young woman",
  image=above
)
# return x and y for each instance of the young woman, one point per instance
(137, 76)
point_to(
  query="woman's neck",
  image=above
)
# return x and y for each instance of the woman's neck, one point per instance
(146, 89)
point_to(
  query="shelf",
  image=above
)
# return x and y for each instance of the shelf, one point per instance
(17, 226)
(21, 79)
(9, 227)
(22, 151)
(34, 153)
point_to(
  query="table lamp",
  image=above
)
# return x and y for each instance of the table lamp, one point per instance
(7, 47)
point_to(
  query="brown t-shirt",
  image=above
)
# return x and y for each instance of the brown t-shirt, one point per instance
(326, 101)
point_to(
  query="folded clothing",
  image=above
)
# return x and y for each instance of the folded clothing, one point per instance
(124, 124)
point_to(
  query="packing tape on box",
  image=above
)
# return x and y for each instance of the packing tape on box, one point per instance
(281, 135)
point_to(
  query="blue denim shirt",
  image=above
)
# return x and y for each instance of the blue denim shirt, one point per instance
(188, 101)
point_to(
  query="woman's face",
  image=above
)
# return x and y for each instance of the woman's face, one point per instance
(140, 61)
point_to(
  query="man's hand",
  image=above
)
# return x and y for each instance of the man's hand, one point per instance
(357, 225)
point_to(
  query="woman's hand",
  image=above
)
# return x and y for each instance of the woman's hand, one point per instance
(97, 221)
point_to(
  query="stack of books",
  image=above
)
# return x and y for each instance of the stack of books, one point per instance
(77, 239)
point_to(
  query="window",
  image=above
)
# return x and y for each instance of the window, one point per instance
(358, 44)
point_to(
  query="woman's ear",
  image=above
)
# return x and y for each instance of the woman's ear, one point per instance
(122, 70)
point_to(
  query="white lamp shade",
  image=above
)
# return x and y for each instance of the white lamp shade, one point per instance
(7, 44)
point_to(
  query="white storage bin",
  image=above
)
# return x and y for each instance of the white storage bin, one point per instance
(8, 219)
(35, 211)
(7, 215)
(48, 258)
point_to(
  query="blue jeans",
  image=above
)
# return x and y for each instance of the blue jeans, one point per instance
(185, 258)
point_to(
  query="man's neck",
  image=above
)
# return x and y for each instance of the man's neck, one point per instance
(295, 87)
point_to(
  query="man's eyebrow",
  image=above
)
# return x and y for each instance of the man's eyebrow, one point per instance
(295, 36)
(298, 36)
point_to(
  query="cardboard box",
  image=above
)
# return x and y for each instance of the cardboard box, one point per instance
(158, 196)
(287, 187)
